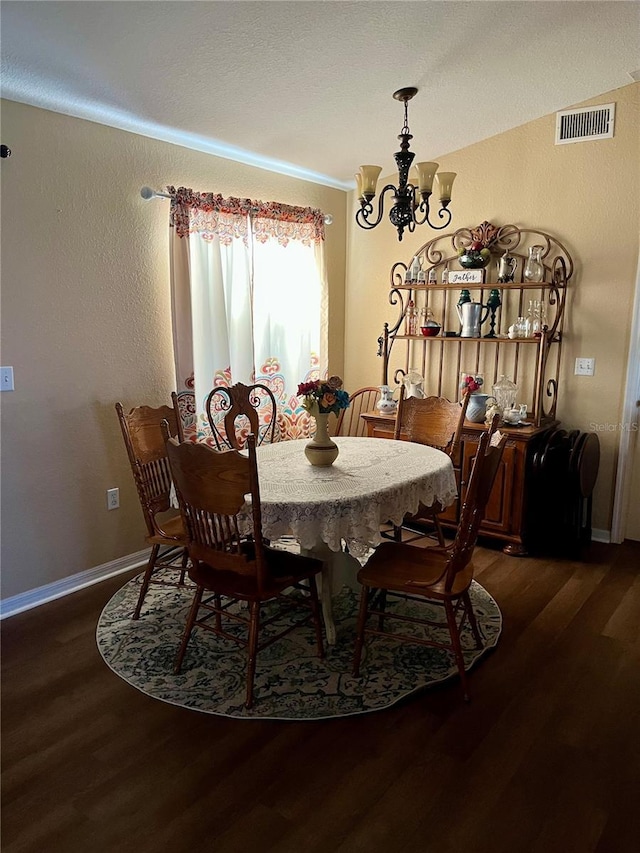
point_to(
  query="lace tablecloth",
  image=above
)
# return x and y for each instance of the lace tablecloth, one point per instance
(372, 481)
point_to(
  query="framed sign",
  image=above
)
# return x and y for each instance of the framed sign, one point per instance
(466, 276)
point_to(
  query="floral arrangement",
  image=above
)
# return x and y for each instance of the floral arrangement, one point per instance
(471, 383)
(323, 396)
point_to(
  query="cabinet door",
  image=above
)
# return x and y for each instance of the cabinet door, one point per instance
(497, 515)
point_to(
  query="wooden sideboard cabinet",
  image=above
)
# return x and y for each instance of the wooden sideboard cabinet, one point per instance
(510, 514)
(521, 296)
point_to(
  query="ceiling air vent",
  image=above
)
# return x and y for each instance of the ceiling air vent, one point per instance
(585, 124)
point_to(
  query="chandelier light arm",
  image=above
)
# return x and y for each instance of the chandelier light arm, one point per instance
(366, 209)
(444, 213)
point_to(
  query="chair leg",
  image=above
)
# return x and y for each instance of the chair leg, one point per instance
(457, 647)
(191, 618)
(440, 534)
(472, 620)
(217, 600)
(146, 580)
(315, 609)
(254, 626)
(185, 560)
(382, 603)
(362, 619)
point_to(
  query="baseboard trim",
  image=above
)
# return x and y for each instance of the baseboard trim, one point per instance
(601, 535)
(49, 592)
(43, 594)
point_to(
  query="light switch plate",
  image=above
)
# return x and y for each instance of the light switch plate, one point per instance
(6, 379)
(585, 366)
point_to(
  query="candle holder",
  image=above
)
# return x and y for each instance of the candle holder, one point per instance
(493, 303)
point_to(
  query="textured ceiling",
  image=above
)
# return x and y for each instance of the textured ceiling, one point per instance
(305, 87)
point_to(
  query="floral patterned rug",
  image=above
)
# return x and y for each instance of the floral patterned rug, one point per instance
(292, 683)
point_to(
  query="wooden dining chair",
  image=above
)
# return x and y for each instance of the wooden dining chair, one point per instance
(437, 422)
(181, 402)
(237, 410)
(230, 561)
(349, 420)
(144, 440)
(440, 575)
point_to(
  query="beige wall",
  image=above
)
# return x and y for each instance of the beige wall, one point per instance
(588, 195)
(86, 313)
(86, 321)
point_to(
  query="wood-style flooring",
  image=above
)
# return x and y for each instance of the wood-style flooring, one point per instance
(546, 758)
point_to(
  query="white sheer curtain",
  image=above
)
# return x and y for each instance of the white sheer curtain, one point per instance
(249, 302)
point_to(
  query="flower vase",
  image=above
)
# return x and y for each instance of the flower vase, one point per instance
(477, 408)
(321, 450)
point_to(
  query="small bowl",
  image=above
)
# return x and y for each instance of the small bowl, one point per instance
(430, 331)
(472, 260)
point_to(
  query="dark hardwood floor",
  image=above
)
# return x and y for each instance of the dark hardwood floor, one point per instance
(546, 757)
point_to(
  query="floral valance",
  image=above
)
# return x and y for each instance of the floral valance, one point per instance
(211, 215)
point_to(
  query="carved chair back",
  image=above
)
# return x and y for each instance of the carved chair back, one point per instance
(183, 406)
(211, 488)
(143, 438)
(246, 404)
(435, 421)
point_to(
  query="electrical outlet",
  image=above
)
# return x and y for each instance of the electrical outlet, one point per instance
(585, 366)
(113, 498)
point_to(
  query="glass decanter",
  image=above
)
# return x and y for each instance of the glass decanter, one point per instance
(534, 268)
(506, 393)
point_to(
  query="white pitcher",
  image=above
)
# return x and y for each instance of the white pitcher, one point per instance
(413, 383)
(386, 404)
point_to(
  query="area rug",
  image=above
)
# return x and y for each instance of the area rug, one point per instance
(292, 683)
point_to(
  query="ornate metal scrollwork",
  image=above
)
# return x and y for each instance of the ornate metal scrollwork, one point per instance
(533, 362)
(551, 391)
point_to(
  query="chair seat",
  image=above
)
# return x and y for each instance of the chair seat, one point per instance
(406, 568)
(174, 529)
(284, 569)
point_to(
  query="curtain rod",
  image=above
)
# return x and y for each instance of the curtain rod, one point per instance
(149, 193)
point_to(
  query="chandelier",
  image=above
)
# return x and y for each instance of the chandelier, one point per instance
(407, 211)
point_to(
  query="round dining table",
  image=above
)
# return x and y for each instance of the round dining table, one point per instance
(336, 512)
